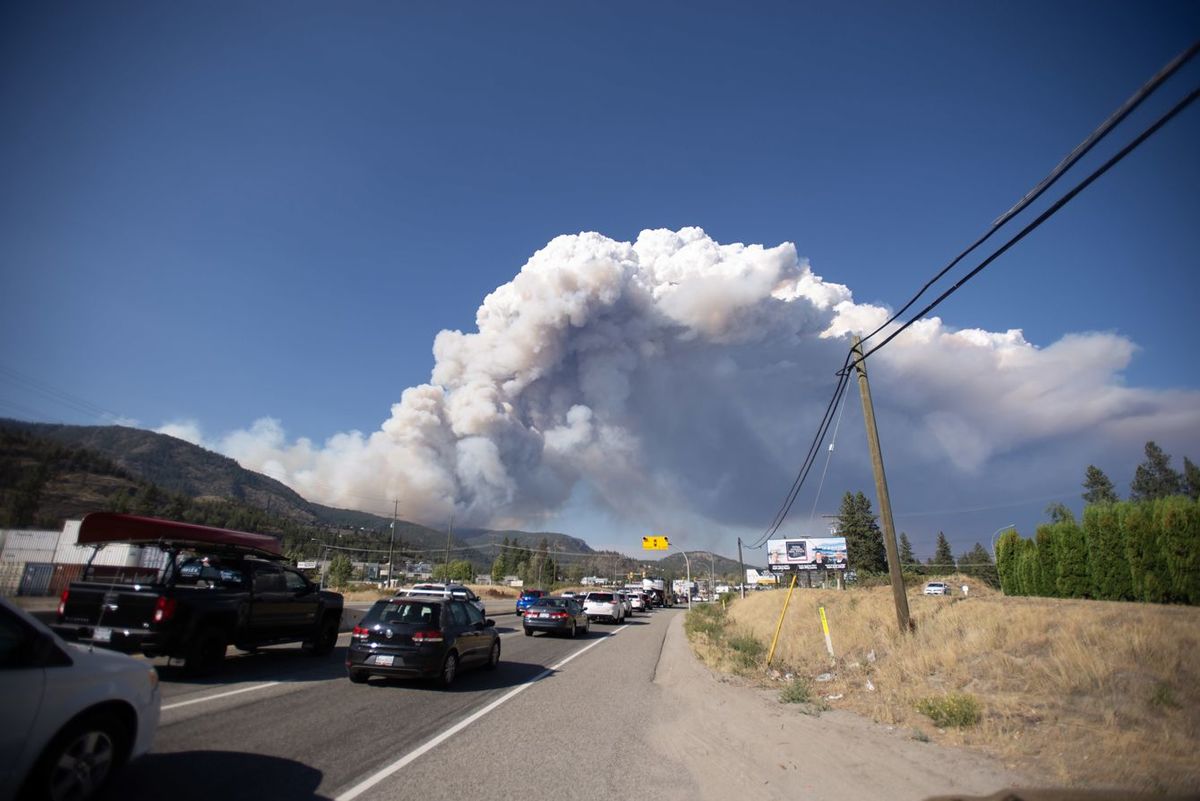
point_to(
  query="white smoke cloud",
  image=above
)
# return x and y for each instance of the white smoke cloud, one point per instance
(679, 380)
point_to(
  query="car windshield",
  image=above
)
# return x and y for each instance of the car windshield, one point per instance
(405, 611)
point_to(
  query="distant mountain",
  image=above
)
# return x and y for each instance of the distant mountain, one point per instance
(118, 457)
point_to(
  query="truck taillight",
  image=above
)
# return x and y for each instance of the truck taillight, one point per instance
(62, 603)
(427, 637)
(164, 609)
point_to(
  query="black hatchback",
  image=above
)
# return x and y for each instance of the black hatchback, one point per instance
(421, 637)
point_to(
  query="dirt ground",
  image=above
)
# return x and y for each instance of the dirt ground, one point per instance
(742, 742)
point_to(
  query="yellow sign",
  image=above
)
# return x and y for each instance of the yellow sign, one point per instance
(655, 543)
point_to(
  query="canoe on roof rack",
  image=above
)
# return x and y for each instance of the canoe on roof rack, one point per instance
(101, 528)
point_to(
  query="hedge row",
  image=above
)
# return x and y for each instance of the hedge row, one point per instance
(1129, 551)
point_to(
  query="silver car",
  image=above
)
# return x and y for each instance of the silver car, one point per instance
(72, 714)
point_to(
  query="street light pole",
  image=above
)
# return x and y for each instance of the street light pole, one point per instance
(712, 577)
(997, 534)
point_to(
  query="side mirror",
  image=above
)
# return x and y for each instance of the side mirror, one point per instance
(489, 623)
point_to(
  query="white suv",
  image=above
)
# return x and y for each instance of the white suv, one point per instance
(937, 588)
(457, 591)
(74, 714)
(605, 605)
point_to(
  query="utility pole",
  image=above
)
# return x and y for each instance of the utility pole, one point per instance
(449, 528)
(392, 544)
(885, 503)
(742, 567)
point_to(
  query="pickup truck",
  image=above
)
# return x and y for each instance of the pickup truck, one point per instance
(204, 589)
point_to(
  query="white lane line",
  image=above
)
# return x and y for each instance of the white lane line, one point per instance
(371, 781)
(220, 695)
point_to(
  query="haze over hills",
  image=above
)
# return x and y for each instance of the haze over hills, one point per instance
(99, 462)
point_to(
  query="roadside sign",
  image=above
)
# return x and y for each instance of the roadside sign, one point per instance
(655, 543)
(307, 565)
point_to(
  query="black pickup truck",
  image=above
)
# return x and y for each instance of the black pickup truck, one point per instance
(196, 591)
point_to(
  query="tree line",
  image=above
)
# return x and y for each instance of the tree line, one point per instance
(1146, 548)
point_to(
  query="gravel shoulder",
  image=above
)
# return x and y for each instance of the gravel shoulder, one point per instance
(733, 739)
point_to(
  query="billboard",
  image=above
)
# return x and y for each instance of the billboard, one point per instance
(806, 553)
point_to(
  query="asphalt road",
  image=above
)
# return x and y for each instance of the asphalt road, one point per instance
(559, 718)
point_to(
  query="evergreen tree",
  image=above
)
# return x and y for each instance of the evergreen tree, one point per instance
(942, 562)
(1047, 560)
(1008, 551)
(1099, 488)
(1154, 477)
(339, 570)
(1179, 537)
(1142, 549)
(907, 559)
(1059, 513)
(1072, 579)
(864, 541)
(977, 563)
(1107, 564)
(1191, 479)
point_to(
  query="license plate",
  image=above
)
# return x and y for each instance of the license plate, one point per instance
(102, 635)
(385, 660)
(544, 614)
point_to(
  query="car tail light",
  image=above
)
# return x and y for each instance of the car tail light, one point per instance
(359, 633)
(559, 615)
(427, 637)
(62, 603)
(164, 609)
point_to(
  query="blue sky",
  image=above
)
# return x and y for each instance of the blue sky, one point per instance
(215, 213)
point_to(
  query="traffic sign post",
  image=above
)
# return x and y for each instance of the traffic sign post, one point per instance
(655, 543)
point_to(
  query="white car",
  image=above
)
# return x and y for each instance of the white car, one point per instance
(937, 588)
(625, 602)
(605, 605)
(637, 601)
(72, 715)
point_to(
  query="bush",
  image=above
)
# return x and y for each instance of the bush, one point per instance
(707, 620)
(952, 709)
(747, 651)
(796, 691)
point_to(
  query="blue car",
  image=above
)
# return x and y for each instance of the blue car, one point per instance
(528, 598)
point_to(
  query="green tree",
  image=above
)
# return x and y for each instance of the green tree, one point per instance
(1107, 564)
(1008, 551)
(1154, 477)
(1059, 513)
(907, 560)
(865, 552)
(977, 563)
(1047, 558)
(1029, 570)
(1191, 479)
(1099, 489)
(1072, 579)
(1146, 563)
(498, 569)
(1179, 528)
(942, 561)
(339, 570)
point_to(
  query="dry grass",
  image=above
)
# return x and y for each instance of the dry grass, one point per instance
(1085, 693)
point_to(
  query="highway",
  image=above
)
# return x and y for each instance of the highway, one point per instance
(279, 724)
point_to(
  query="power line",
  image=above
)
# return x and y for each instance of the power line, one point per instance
(1069, 161)
(1044, 216)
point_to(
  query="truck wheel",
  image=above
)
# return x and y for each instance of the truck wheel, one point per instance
(357, 676)
(79, 761)
(326, 638)
(206, 652)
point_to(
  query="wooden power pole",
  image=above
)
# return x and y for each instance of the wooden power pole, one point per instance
(885, 503)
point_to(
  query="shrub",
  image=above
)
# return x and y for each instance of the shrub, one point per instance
(707, 620)
(747, 650)
(952, 709)
(796, 691)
